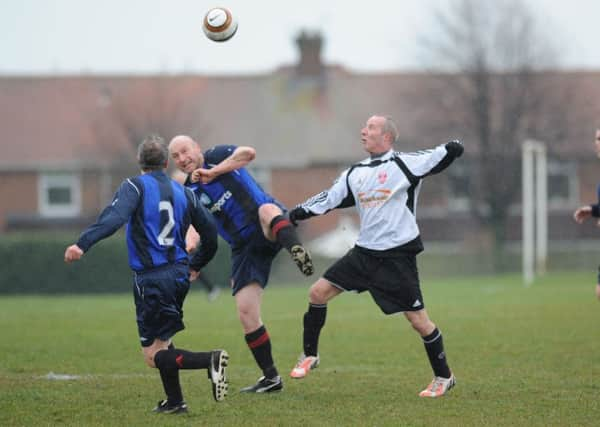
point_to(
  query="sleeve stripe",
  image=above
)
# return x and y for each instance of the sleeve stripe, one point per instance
(319, 198)
(134, 186)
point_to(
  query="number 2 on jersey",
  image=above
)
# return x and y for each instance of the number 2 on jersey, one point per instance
(163, 237)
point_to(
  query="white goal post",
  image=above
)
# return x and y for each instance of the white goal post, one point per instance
(535, 210)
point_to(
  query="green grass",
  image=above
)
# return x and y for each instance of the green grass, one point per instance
(522, 356)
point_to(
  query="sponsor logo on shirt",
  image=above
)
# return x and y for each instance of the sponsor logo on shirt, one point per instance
(219, 204)
(373, 198)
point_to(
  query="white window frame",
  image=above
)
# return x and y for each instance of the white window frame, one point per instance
(567, 169)
(48, 180)
(457, 203)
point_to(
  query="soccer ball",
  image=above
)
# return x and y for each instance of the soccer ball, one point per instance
(219, 24)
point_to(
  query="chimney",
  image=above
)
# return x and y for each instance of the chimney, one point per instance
(310, 45)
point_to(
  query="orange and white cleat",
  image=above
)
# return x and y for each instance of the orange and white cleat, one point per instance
(304, 366)
(438, 387)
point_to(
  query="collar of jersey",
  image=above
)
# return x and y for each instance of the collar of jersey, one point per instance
(382, 158)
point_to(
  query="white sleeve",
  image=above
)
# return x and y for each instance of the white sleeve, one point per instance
(421, 163)
(337, 196)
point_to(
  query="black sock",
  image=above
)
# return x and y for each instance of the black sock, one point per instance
(260, 345)
(314, 320)
(170, 380)
(284, 232)
(183, 359)
(434, 345)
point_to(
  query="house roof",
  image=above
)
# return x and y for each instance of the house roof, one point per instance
(49, 123)
(292, 121)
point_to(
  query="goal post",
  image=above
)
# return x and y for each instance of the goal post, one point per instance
(535, 210)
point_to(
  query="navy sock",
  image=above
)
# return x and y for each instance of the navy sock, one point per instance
(170, 380)
(182, 359)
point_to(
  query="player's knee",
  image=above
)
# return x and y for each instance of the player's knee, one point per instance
(244, 310)
(267, 212)
(318, 294)
(598, 291)
(248, 316)
(149, 360)
(422, 325)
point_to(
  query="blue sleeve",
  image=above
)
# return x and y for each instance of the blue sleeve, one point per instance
(205, 225)
(113, 216)
(218, 153)
(596, 207)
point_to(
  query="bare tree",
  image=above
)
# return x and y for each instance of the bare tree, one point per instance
(492, 64)
(159, 104)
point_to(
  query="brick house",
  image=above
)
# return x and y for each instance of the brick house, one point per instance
(65, 140)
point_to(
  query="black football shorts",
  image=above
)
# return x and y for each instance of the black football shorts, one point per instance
(393, 281)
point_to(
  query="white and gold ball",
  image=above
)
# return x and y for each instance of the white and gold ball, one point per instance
(219, 24)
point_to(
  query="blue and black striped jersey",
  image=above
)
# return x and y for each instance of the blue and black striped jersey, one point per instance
(233, 198)
(158, 212)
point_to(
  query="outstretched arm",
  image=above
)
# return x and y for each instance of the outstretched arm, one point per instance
(110, 220)
(428, 162)
(240, 157)
(338, 196)
(587, 211)
(582, 213)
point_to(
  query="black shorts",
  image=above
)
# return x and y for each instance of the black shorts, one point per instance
(393, 281)
(159, 296)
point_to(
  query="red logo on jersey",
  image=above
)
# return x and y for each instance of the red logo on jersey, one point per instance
(382, 177)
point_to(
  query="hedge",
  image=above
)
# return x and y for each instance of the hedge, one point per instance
(32, 263)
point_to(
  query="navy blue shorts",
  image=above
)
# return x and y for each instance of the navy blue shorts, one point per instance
(252, 262)
(159, 296)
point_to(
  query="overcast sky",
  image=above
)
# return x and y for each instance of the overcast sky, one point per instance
(146, 36)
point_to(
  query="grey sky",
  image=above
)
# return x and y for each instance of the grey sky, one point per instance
(119, 36)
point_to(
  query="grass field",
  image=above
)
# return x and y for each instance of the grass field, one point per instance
(522, 356)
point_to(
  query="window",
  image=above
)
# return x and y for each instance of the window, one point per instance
(562, 184)
(59, 195)
(459, 187)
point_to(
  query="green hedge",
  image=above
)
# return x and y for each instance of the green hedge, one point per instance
(33, 264)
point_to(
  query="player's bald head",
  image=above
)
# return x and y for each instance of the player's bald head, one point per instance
(186, 153)
(182, 139)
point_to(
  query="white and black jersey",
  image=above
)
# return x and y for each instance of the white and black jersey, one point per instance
(385, 190)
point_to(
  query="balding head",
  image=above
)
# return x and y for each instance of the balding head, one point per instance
(182, 139)
(186, 153)
(379, 134)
